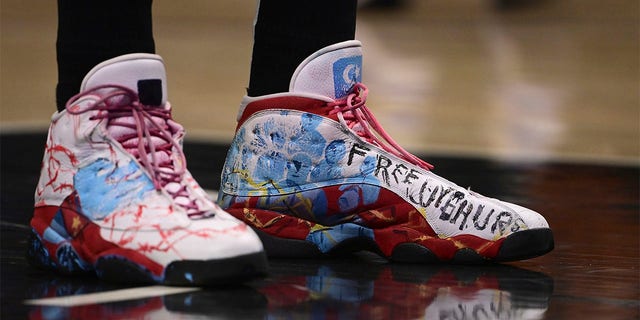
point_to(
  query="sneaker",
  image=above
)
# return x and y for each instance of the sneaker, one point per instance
(115, 197)
(314, 173)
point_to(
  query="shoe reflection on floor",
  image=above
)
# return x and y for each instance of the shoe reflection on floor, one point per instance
(330, 289)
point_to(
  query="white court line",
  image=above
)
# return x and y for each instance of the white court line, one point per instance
(109, 296)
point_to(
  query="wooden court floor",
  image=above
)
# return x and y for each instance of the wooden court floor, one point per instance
(538, 105)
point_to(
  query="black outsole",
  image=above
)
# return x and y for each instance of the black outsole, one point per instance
(526, 244)
(186, 272)
(217, 272)
(518, 246)
(178, 273)
(288, 248)
(413, 253)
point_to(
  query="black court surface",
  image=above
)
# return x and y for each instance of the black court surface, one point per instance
(593, 273)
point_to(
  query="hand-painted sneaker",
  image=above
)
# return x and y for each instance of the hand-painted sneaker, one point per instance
(115, 197)
(313, 171)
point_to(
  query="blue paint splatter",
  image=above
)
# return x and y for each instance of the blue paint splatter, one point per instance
(368, 166)
(56, 232)
(307, 139)
(370, 193)
(298, 168)
(327, 239)
(329, 169)
(270, 167)
(103, 187)
(370, 188)
(350, 197)
(275, 133)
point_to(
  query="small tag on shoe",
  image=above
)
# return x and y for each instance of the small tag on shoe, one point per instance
(150, 92)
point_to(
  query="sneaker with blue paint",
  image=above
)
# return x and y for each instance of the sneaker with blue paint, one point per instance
(315, 174)
(115, 197)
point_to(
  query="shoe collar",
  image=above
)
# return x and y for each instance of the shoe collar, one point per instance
(141, 72)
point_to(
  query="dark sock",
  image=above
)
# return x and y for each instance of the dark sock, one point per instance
(90, 32)
(288, 31)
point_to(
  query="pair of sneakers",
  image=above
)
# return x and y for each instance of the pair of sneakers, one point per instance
(310, 173)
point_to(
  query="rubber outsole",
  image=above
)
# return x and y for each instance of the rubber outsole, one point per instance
(178, 273)
(526, 244)
(521, 245)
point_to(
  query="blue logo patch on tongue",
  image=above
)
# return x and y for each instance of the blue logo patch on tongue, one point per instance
(346, 72)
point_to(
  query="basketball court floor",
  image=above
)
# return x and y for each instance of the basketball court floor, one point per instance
(536, 104)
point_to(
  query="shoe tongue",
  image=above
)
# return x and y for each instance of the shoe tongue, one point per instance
(330, 72)
(140, 72)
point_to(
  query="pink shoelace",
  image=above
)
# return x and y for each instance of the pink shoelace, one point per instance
(146, 132)
(353, 113)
